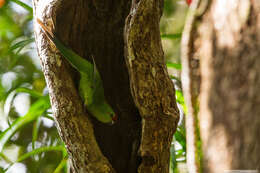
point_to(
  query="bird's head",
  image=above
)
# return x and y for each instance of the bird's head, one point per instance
(103, 112)
(114, 118)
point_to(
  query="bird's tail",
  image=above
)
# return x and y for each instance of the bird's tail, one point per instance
(47, 31)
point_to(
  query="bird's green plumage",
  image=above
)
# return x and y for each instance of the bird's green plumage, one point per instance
(90, 86)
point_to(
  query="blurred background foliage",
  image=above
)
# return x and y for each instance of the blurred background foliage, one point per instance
(29, 141)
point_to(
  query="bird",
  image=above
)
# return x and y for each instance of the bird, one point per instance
(90, 85)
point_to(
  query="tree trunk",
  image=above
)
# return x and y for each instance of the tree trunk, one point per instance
(96, 28)
(226, 40)
(151, 86)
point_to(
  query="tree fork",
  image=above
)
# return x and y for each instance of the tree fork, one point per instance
(96, 28)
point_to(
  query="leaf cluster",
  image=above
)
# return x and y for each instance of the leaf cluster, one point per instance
(28, 137)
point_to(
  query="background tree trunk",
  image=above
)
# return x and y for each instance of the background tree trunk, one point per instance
(226, 40)
(191, 88)
(96, 28)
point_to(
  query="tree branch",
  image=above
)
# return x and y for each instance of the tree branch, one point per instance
(151, 87)
(72, 123)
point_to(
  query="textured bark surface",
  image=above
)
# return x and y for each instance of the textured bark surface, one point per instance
(72, 123)
(151, 87)
(91, 28)
(96, 28)
(227, 42)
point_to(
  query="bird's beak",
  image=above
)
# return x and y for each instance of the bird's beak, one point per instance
(115, 118)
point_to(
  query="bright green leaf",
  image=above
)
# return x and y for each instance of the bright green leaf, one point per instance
(41, 150)
(24, 5)
(21, 44)
(173, 65)
(33, 93)
(35, 131)
(61, 165)
(36, 109)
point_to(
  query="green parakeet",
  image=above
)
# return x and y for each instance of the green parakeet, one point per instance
(90, 85)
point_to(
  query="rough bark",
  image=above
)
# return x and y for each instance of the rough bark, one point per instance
(91, 28)
(73, 125)
(227, 42)
(96, 28)
(151, 87)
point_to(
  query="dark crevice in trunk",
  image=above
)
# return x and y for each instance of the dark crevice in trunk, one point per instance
(97, 31)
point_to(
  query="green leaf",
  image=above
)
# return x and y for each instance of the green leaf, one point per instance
(61, 165)
(21, 44)
(180, 98)
(3, 156)
(173, 161)
(36, 109)
(7, 26)
(2, 170)
(35, 131)
(38, 151)
(33, 93)
(41, 150)
(181, 139)
(171, 36)
(179, 154)
(24, 5)
(48, 116)
(173, 65)
(12, 93)
(175, 78)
